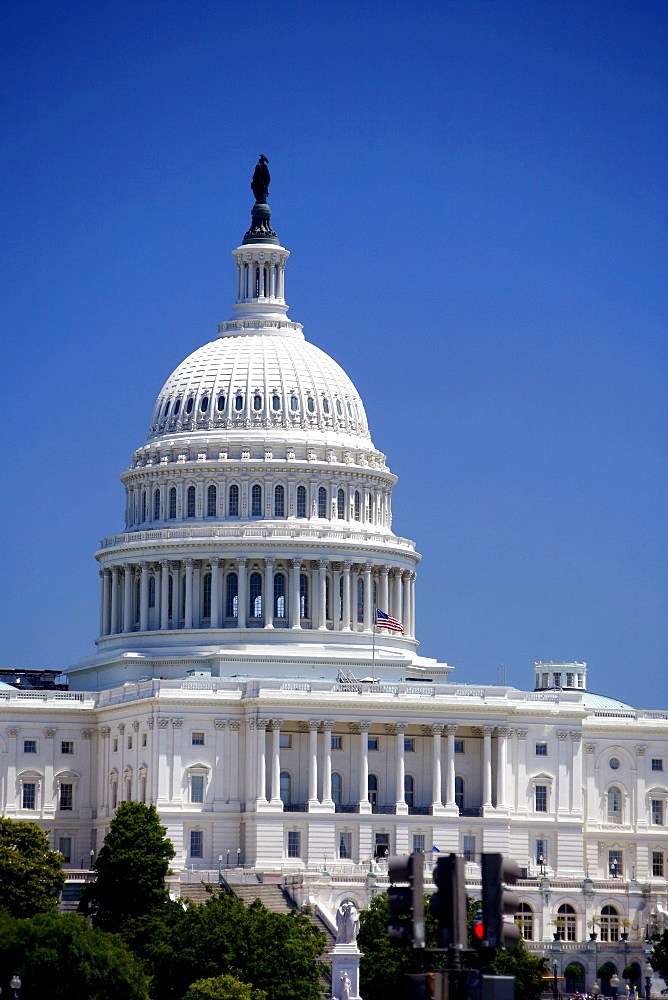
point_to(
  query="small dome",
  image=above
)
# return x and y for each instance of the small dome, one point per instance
(264, 381)
(602, 701)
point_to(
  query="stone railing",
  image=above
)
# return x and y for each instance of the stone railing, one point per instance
(281, 533)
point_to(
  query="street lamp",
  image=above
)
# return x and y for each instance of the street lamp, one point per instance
(614, 865)
(596, 989)
(220, 873)
(238, 857)
(614, 983)
(541, 861)
(16, 986)
(227, 863)
(92, 858)
(555, 987)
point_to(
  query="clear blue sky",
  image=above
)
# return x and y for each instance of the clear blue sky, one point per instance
(474, 194)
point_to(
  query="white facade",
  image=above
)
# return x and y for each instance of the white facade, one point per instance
(239, 686)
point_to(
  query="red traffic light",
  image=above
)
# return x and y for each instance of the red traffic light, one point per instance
(478, 930)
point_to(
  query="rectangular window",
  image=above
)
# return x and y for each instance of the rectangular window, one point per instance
(30, 746)
(657, 763)
(29, 794)
(468, 848)
(67, 747)
(541, 798)
(374, 743)
(337, 743)
(197, 788)
(71, 892)
(196, 844)
(197, 739)
(65, 848)
(418, 842)
(143, 739)
(657, 812)
(615, 867)
(546, 680)
(285, 741)
(569, 680)
(66, 797)
(409, 744)
(294, 844)
(129, 743)
(541, 852)
(345, 846)
(115, 745)
(557, 680)
(541, 749)
(657, 864)
(459, 746)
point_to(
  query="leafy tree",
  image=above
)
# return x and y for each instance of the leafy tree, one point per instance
(60, 956)
(31, 874)
(131, 868)
(527, 969)
(223, 988)
(658, 958)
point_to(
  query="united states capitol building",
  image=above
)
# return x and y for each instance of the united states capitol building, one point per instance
(241, 683)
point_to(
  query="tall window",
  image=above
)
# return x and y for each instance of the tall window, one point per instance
(256, 501)
(459, 792)
(657, 864)
(418, 843)
(373, 789)
(233, 501)
(566, 922)
(345, 845)
(303, 595)
(322, 502)
(337, 787)
(409, 790)
(541, 851)
(231, 596)
(615, 863)
(609, 924)
(206, 596)
(279, 501)
(197, 788)
(657, 812)
(279, 595)
(356, 505)
(255, 595)
(614, 805)
(468, 847)
(144, 506)
(29, 795)
(524, 920)
(301, 501)
(156, 505)
(172, 502)
(196, 844)
(65, 848)
(286, 788)
(211, 501)
(66, 798)
(360, 599)
(170, 595)
(540, 796)
(151, 592)
(190, 503)
(341, 504)
(294, 844)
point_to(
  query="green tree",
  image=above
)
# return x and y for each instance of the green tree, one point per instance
(131, 868)
(383, 963)
(658, 958)
(223, 988)
(31, 874)
(60, 956)
(527, 969)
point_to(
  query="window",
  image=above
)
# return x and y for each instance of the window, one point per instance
(373, 789)
(345, 846)
(190, 502)
(540, 796)
(524, 920)
(172, 502)
(114, 794)
(468, 848)
(303, 595)
(541, 749)
(144, 506)
(151, 592)
(337, 743)
(67, 747)
(657, 812)
(65, 848)
(341, 504)
(459, 793)
(541, 852)
(30, 746)
(615, 867)
(310, 404)
(322, 502)
(206, 595)
(381, 845)
(196, 844)
(285, 741)
(238, 403)
(197, 739)
(233, 501)
(279, 595)
(156, 505)
(294, 838)
(197, 788)
(657, 864)
(356, 505)
(255, 595)
(409, 744)
(657, 764)
(231, 596)
(609, 924)
(189, 405)
(460, 746)
(615, 763)
(66, 797)
(143, 739)
(325, 405)
(256, 501)
(614, 805)
(294, 403)
(129, 743)
(211, 501)
(373, 743)
(279, 501)
(337, 787)
(418, 842)
(275, 402)
(204, 404)
(29, 795)
(566, 923)
(569, 680)
(301, 501)
(360, 599)
(257, 402)
(286, 788)
(339, 408)
(114, 745)
(557, 680)
(221, 403)
(409, 790)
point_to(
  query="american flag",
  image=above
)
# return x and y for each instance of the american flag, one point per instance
(384, 621)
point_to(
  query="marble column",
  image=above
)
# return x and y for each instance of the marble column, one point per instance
(294, 569)
(127, 598)
(487, 766)
(450, 801)
(177, 776)
(501, 764)
(383, 602)
(397, 610)
(268, 598)
(576, 774)
(364, 804)
(233, 782)
(143, 598)
(336, 597)
(164, 776)
(242, 593)
(12, 749)
(368, 597)
(103, 771)
(563, 745)
(214, 621)
(85, 804)
(188, 618)
(406, 578)
(276, 763)
(322, 595)
(412, 597)
(49, 804)
(327, 800)
(164, 594)
(313, 801)
(262, 725)
(220, 764)
(400, 806)
(105, 615)
(521, 771)
(640, 817)
(115, 604)
(436, 775)
(346, 596)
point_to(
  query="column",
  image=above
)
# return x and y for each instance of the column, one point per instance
(640, 817)
(487, 766)
(383, 603)
(220, 764)
(164, 594)
(233, 786)
(262, 760)
(313, 801)
(215, 594)
(368, 594)
(294, 568)
(412, 596)
(127, 599)
(188, 617)
(268, 597)
(12, 734)
(85, 803)
(521, 773)
(590, 763)
(48, 800)
(436, 777)
(177, 776)
(176, 594)
(105, 606)
(322, 595)
(276, 763)
(327, 765)
(406, 580)
(396, 611)
(164, 774)
(335, 595)
(197, 590)
(364, 804)
(400, 789)
(562, 776)
(242, 592)
(575, 803)
(114, 627)
(450, 802)
(501, 763)
(143, 598)
(345, 618)
(103, 772)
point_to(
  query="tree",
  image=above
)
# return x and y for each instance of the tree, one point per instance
(60, 956)
(658, 958)
(383, 964)
(131, 868)
(223, 988)
(527, 969)
(31, 874)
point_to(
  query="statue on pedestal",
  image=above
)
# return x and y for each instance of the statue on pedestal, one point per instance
(347, 923)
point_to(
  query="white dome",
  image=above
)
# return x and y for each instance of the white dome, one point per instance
(263, 380)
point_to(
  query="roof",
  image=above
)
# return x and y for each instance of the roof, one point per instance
(592, 700)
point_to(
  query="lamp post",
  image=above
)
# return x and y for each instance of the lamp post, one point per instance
(541, 861)
(16, 986)
(555, 987)
(238, 857)
(614, 983)
(220, 872)
(614, 865)
(92, 858)
(596, 989)
(227, 863)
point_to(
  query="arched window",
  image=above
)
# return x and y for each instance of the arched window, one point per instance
(221, 403)
(211, 501)
(609, 924)
(409, 790)
(524, 920)
(459, 793)
(341, 504)
(275, 402)
(294, 404)
(144, 506)
(255, 595)
(257, 402)
(256, 501)
(566, 924)
(301, 501)
(279, 501)
(206, 596)
(190, 507)
(189, 405)
(327, 602)
(238, 403)
(337, 787)
(151, 592)
(279, 595)
(156, 505)
(137, 601)
(233, 501)
(182, 596)
(204, 404)
(614, 805)
(286, 788)
(172, 502)
(231, 596)
(356, 505)
(322, 502)
(373, 789)
(170, 595)
(367, 507)
(360, 599)
(303, 596)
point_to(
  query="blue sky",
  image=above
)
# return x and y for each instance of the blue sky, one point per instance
(474, 195)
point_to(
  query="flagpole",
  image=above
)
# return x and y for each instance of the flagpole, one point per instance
(373, 645)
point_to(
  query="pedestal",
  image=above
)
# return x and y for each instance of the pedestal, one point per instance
(346, 960)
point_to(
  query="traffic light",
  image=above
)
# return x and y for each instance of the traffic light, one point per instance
(497, 901)
(406, 900)
(477, 931)
(449, 903)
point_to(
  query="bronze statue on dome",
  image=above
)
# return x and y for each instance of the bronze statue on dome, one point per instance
(260, 182)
